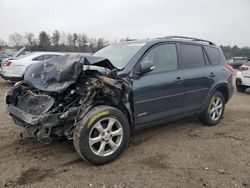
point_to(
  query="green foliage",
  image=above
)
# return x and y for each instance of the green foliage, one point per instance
(235, 51)
(80, 42)
(55, 39)
(44, 41)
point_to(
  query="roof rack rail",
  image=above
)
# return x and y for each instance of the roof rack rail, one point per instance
(189, 38)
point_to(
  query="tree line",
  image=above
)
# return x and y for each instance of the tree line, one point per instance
(80, 42)
(57, 41)
(235, 51)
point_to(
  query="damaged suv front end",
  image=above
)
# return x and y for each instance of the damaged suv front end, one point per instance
(55, 95)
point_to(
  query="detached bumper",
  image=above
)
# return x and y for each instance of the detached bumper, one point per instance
(44, 127)
(30, 119)
(41, 127)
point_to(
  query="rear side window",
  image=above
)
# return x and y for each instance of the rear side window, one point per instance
(191, 56)
(213, 55)
(49, 56)
(39, 58)
(248, 63)
(164, 57)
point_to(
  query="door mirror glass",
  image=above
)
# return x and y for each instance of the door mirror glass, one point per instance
(147, 66)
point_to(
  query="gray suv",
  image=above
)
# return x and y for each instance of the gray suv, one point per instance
(98, 100)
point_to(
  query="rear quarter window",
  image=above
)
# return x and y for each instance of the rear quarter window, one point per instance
(50, 56)
(248, 63)
(213, 55)
(39, 58)
(191, 56)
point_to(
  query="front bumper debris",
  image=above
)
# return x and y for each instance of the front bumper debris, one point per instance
(30, 119)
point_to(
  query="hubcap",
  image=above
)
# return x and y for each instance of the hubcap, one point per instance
(105, 136)
(216, 108)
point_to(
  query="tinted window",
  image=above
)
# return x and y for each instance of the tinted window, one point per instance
(247, 63)
(49, 56)
(191, 56)
(164, 57)
(39, 58)
(213, 55)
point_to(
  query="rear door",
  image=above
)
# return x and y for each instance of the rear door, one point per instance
(158, 94)
(197, 76)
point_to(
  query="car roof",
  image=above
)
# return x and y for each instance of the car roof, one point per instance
(46, 53)
(36, 54)
(173, 39)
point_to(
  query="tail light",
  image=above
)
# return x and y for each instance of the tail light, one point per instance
(229, 67)
(238, 82)
(7, 63)
(243, 69)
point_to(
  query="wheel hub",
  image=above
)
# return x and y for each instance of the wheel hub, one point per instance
(107, 136)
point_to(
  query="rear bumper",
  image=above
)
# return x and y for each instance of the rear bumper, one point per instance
(11, 78)
(242, 80)
(10, 75)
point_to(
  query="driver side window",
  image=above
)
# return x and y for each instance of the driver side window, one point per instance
(164, 57)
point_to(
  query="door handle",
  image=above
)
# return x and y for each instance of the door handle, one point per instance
(178, 79)
(212, 74)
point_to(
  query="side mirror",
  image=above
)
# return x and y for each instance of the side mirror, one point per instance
(147, 66)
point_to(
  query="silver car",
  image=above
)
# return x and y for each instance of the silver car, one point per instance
(14, 69)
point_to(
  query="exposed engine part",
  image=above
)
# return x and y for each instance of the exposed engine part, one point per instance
(50, 114)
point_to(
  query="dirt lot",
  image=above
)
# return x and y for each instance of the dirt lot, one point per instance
(179, 154)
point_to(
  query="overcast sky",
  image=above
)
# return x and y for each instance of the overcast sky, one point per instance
(222, 21)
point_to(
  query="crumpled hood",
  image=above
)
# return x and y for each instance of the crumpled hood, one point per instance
(56, 75)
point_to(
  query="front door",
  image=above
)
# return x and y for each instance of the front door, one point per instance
(158, 94)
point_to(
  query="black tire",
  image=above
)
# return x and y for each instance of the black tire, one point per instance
(241, 88)
(86, 126)
(205, 116)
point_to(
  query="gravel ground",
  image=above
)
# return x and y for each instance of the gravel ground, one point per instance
(179, 154)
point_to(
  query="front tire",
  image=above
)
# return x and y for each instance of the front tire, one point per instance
(102, 135)
(214, 111)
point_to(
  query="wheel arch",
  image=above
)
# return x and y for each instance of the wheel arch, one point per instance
(223, 88)
(124, 108)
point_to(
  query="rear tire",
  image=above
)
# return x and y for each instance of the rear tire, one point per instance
(241, 88)
(102, 135)
(214, 110)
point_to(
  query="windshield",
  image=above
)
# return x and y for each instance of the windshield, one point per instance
(120, 54)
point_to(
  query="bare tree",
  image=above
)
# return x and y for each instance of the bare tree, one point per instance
(30, 39)
(55, 39)
(82, 41)
(63, 38)
(2, 42)
(16, 39)
(70, 40)
(74, 40)
(44, 41)
(101, 43)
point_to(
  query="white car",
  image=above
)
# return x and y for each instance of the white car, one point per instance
(14, 69)
(243, 77)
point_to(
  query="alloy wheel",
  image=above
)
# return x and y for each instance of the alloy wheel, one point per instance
(105, 136)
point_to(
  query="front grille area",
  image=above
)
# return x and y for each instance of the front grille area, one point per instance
(33, 103)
